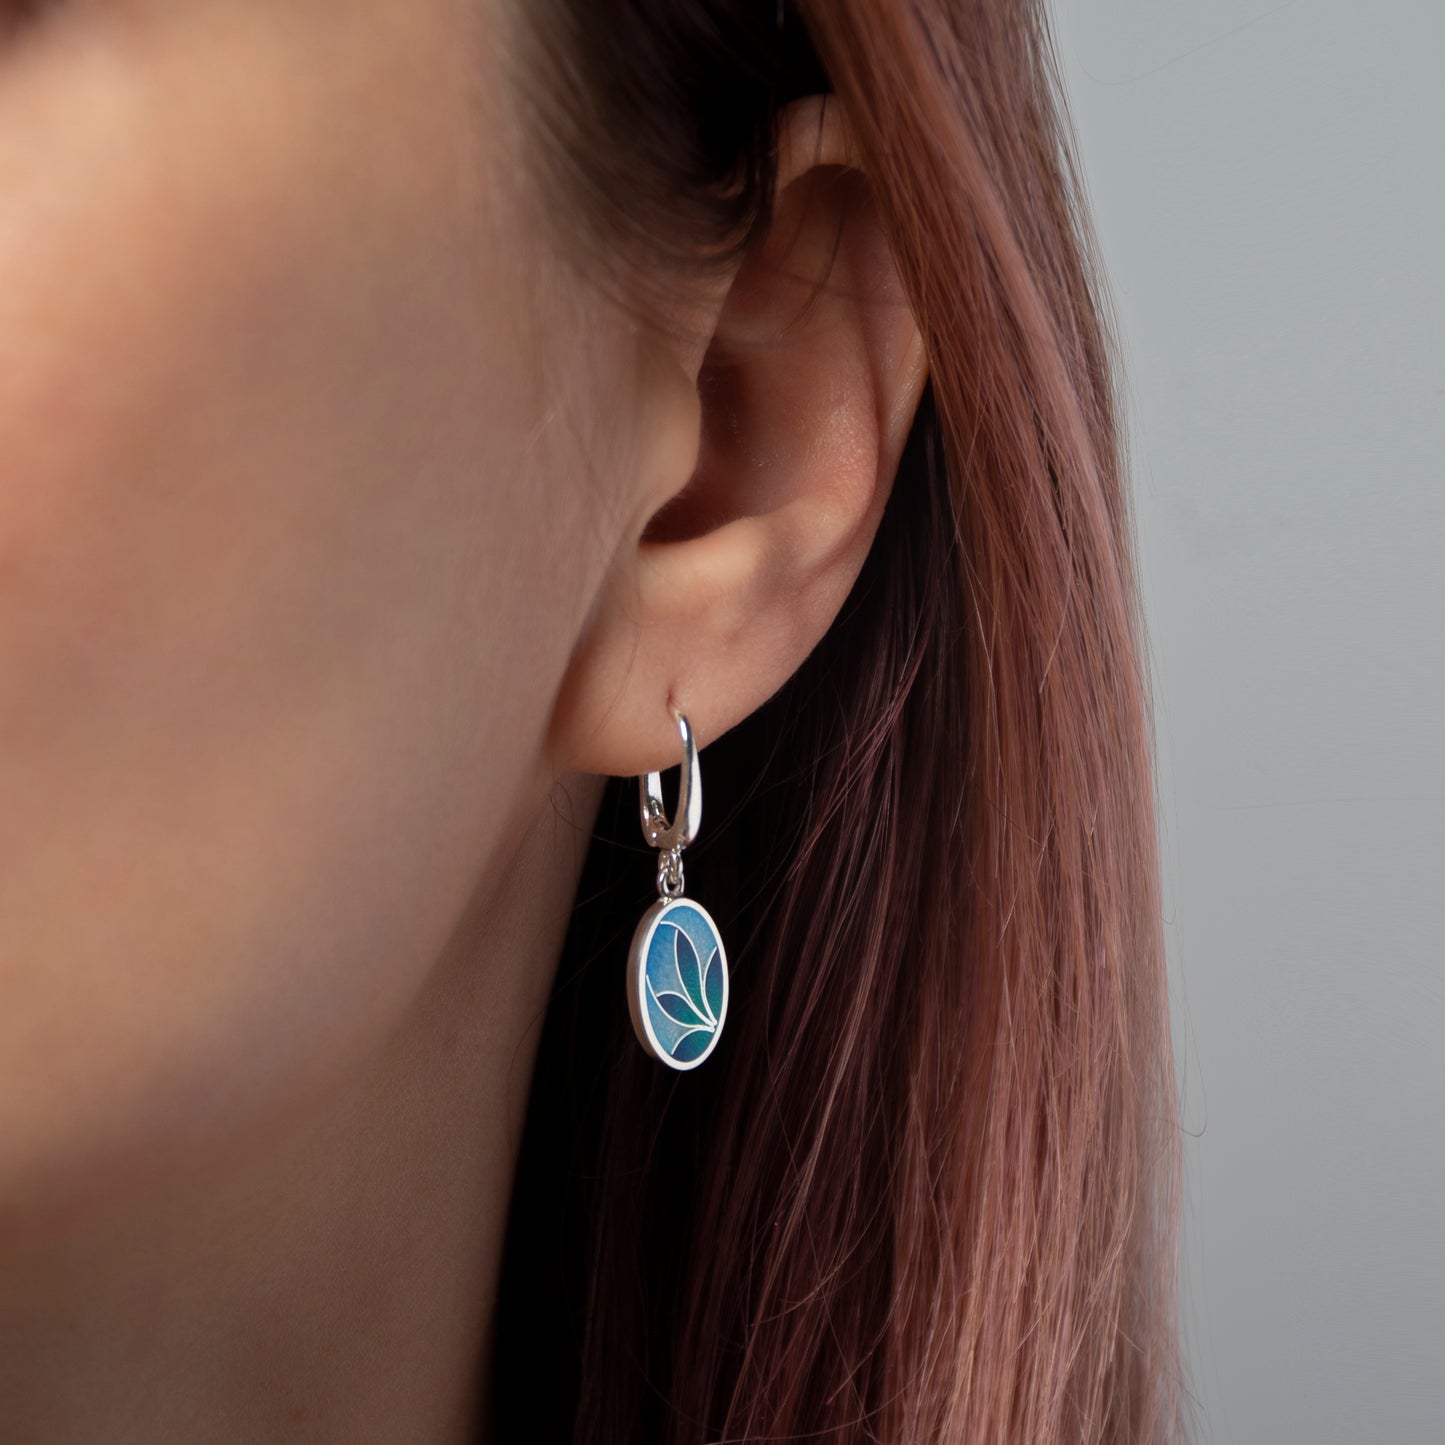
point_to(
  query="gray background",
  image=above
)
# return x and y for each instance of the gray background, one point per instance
(1269, 188)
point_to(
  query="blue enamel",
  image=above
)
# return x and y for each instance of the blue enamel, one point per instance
(684, 983)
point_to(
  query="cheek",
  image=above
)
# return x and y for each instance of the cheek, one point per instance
(274, 650)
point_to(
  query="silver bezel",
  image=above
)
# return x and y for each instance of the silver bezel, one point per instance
(636, 981)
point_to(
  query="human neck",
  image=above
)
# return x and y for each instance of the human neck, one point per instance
(338, 1282)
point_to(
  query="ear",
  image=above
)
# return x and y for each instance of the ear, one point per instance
(799, 408)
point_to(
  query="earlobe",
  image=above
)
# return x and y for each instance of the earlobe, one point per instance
(807, 392)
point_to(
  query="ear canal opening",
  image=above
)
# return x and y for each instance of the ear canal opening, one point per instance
(694, 511)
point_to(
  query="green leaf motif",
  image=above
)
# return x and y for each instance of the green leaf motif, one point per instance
(687, 970)
(686, 999)
(679, 1010)
(692, 1046)
(713, 984)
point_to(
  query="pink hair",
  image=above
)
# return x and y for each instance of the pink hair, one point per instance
(927, 1189)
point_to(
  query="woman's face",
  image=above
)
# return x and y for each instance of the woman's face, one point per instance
(297, 524)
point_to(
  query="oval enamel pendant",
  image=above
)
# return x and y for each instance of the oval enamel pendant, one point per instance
(677, 982)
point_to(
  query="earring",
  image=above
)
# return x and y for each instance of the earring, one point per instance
(677, 973)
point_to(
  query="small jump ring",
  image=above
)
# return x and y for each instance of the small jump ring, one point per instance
(655, 825)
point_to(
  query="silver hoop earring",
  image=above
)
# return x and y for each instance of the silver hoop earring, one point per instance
(677, 972)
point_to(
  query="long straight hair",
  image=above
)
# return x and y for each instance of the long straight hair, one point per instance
(927, 1187)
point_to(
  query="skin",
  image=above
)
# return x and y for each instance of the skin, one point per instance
(325, 610)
